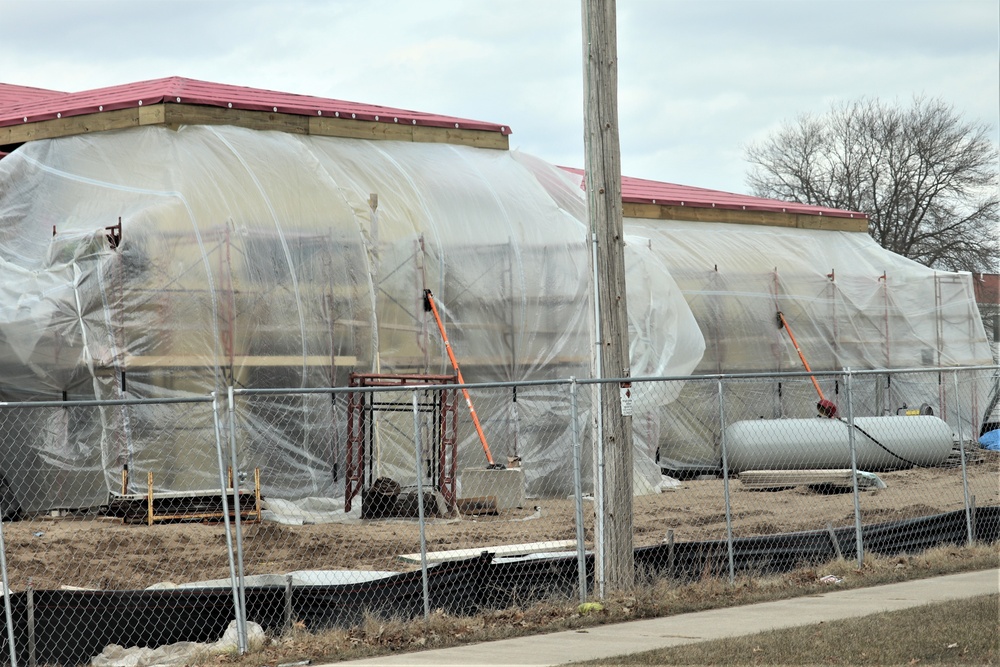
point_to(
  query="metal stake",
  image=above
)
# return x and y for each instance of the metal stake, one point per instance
(288, 602)
(6, 598)
(420, 508)
(30, 604)
(223, 487)
(961, 449)
(581, 555)
(849, 390)
(241, 621)
(670, 554)
(599, 440)
(725, 487)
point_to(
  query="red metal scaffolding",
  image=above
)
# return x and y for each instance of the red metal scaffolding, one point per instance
(442, 404)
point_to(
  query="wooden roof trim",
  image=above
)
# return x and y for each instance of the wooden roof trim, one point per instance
(766, 218)
(174, 115)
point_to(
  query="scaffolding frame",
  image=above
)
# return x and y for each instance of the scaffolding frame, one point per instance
(442, 404)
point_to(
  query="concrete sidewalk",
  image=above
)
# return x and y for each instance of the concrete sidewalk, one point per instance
(608, 641)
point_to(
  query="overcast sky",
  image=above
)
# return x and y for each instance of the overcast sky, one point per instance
(698, 79)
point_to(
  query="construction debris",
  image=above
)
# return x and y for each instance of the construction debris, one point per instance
(837, 479)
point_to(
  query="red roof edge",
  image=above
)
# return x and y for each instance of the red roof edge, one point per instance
(643, 191)
(30, 109)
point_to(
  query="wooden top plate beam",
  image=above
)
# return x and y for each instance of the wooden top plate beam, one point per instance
(767, 218)
(174, 115)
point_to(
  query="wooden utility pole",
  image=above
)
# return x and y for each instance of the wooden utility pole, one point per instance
(604, 205)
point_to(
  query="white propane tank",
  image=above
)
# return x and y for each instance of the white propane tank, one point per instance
(801, 444)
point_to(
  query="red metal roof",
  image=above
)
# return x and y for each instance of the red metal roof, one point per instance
(32, 107)
(11, 95)
(642, 191)
(22, 104)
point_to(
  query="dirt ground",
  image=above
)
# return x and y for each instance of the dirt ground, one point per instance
(103, 553)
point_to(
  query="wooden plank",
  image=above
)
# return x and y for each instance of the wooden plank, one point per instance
(831, 223)
(403, 364)
(272, 361)
(192, 114)
(501, 550)
(63, 127)
(127, 506)
(358, 129)
(756, 479)
(708, 214)
(174, 115)
(764, 218)
(474, 138)
(120, 498)
(834, 477)
(154, 114)
(246, 515)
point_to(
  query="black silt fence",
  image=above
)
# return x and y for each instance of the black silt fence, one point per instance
(773, 554)
(70, 627)
(516, 583)
(453, 586)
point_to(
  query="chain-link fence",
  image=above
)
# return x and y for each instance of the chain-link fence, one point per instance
(146, 522)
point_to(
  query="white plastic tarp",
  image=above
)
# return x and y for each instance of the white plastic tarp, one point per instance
(850, 304)
(257, 260)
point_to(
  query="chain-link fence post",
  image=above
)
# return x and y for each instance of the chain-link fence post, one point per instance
(6, 599)
(725, 486)
(581, 553)
(848, 385)
(599, 488)
(961, 449)
(241, 618)
(417, 452)
(223, 487)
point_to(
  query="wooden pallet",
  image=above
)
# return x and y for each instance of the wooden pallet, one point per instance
(973, 456)
(200, 505)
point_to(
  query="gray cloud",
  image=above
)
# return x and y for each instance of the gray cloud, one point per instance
(698, 80)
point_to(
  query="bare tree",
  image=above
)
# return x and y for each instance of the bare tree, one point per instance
(927, 178)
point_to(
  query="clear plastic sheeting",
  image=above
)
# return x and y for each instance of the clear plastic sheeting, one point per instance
(848, 302)
(262, 260)
(266, 260)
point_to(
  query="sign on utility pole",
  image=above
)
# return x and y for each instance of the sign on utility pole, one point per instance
(604, 206)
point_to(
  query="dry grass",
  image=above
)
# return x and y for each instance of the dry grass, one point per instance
(658, 598)
(959, 632)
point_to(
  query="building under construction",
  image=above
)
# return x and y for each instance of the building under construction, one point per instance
(177, 237)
